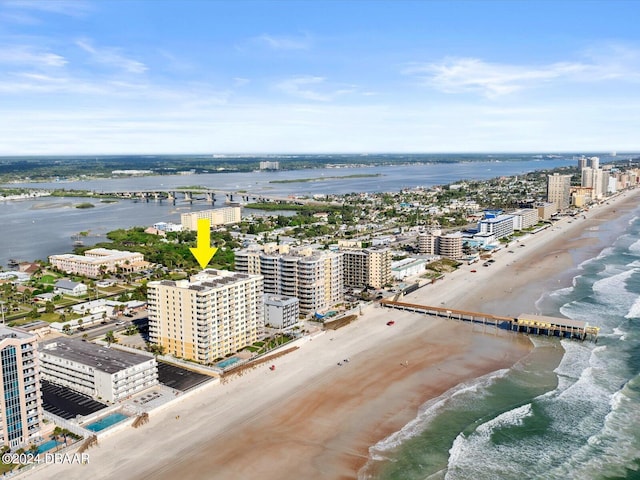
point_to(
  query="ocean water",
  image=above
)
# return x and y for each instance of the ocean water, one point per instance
(576, 419)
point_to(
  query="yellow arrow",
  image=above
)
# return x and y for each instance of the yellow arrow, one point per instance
(204, 252)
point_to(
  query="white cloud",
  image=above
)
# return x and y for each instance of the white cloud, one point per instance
(111, 57)
(460, 75)
(25, 55)
(240, 82)
(313, 88)
(72, 8)
(285, 42)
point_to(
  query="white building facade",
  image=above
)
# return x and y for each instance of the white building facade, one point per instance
(281, 312)
(100, 372)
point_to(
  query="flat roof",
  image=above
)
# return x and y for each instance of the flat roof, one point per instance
(108, 360)
(8, 332)
(566, 322)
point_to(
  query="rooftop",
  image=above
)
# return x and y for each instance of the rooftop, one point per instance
(8, 332)
(557, 321)
(101, 358)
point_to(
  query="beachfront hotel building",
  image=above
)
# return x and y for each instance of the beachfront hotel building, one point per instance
(97, 261)
(20, 398)
(217, 217)
(434, 242)
(559, 190)
(281, 312)
(546, 210)
(367, 267)
(213, 314)
(100, 372)
(314, 277)
(524, 218)
(500, 226)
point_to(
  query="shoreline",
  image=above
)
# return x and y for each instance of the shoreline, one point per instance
(313, 419)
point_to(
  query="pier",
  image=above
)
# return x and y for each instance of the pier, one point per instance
(525, 323)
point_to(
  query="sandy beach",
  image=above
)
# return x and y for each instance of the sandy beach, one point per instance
(311, 418)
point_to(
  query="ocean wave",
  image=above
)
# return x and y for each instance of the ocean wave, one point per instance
(431, 409)
(635, 247)
(465, 448)
(614, 447)
(633, 220)
(634, 311)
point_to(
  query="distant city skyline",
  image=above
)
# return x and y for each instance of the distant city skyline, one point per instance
(119, 77)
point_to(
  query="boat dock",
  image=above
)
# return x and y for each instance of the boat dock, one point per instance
(524, 323)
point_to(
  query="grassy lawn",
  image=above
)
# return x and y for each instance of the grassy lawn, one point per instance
(4, 467)
(113, 290)
(49, 279)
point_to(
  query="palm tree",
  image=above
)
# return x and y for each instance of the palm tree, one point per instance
(110, 338)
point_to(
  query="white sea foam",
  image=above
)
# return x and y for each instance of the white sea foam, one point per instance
(613, 448)
(431, 409)
(635, 247)
(634, 311)
(633, 219)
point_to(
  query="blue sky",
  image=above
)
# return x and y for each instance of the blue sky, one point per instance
(103, 77)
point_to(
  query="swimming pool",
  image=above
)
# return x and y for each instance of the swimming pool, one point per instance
(106, 422)
(227, 362)
(49, 445)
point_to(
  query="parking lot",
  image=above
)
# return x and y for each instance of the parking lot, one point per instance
(179, 378)
(66, 403)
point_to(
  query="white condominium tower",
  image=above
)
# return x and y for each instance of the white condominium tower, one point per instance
(314, 277)
(213, 314)
(20, 400)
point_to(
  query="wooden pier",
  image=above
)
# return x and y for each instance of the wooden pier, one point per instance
(524, 323)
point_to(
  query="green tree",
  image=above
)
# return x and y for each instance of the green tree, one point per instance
(49, 307)
(110, 338)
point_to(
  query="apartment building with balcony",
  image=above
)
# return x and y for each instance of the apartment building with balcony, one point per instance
(213, 314)
(281, 312)
(524, 218)
(314, 277)
(100, 372)
(20, 398)
(217, 217)
(367, 267)
(434, 242)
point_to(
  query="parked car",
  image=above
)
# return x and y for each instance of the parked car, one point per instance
(390, 322)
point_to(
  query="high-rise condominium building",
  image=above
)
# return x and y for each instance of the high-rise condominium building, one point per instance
(20, 399)
(314, 277)
(559, 190)
(213, 314)
(367, 267)
(434, 242)
(217, 217)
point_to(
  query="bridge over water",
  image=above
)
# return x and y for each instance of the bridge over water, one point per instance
(207, 195)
